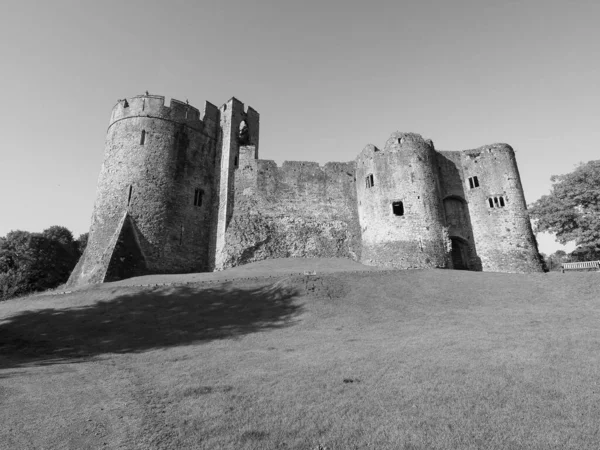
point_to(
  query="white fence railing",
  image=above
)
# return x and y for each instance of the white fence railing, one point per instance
(581, 265)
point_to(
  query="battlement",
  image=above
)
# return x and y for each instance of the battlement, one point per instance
(238, 119)
(154, 106)
(238, 106)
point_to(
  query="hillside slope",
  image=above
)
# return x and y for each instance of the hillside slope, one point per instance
(361, 359)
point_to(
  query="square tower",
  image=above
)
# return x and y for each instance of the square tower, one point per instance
(238, 129)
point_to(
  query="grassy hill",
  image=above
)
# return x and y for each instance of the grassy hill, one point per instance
(352, 358)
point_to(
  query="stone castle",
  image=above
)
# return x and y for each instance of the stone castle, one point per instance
(184, 191)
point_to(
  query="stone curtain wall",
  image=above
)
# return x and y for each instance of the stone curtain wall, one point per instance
(404, 171)
(298, 210)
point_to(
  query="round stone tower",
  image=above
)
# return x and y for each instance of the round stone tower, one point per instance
(501, 226)
(399, 207)
(154, 196)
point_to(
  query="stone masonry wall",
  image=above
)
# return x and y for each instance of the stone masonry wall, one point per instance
(453, 186)
(182, 190)
(298, 210)
(233, 116)
(155, 159)
(404, 171)
(503, 236)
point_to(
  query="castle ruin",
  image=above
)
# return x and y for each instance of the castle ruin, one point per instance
(184, 191)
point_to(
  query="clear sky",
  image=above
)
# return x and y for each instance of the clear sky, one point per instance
(327, 76)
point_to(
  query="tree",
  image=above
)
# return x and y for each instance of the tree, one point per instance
(81, 243)
(572, 209)
(555, 261)
(32, 262)
(60, 234)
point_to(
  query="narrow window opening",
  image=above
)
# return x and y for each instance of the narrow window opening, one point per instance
(143, 138)
(473, 182)
(129, 196)
(491, 202)
(496, 202)
(235, 161)
(398, 208)
(369, 181)
(125, 103)
(501, 201)
(198, 194)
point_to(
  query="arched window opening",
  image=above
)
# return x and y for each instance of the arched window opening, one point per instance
(501, 201)
(243, 133)
(496, 202)
(491, 202)
(143, 138)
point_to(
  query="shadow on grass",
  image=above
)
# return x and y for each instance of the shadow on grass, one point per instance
(142, 321)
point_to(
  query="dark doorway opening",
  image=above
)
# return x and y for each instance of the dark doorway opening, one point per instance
(460, 254)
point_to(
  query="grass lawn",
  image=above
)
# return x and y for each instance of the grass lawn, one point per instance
(431, 359)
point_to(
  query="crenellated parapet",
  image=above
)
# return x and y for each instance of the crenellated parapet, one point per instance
(153, 106)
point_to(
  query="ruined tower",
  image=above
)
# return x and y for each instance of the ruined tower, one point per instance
(399, 204)
(238, 139)
(498, 221)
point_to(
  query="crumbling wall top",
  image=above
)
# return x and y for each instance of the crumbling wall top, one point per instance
(398, 141)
